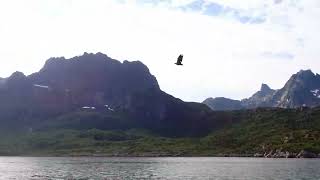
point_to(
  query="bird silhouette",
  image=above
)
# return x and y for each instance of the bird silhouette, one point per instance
(179, 60)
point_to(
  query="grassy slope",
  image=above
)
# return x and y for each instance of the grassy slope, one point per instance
(258, 131)
(265, 130)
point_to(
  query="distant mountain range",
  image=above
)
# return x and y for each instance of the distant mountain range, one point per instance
(302, 89)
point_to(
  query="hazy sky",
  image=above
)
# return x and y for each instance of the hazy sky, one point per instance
(230, 47)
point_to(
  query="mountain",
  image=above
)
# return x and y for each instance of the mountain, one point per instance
(302, 89)
(110, 94)
(221, 103)
(93, 104)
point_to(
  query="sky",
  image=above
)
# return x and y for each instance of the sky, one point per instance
(230, 47)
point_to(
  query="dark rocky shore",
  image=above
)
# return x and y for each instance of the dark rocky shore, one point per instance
(285, 154)
(271, 154)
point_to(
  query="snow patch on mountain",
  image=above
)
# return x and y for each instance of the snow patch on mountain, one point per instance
(41, 86)
(316, 93)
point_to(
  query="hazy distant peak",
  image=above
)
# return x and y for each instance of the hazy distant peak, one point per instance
(222, 103)
(265, 88)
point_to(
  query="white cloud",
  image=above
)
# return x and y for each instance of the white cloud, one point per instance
(222, 56)
(243, 4)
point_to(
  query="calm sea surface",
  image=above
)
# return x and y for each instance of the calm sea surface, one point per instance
(157, 168)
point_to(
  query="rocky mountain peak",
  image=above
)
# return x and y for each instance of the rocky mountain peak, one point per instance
(304, 76)
(303, 79)
(265, 88)
(305, 73)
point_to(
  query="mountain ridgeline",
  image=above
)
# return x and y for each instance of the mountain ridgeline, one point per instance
(302, 89)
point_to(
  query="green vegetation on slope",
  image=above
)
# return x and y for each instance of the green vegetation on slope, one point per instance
(256, 131)
(132, 142)
(270, 129)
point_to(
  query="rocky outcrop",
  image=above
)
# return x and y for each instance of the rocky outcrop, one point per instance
(306, 154)
(279, 153)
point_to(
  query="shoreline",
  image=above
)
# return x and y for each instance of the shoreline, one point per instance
(152, 156)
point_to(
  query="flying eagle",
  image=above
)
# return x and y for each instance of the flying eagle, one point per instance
(179, 60)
